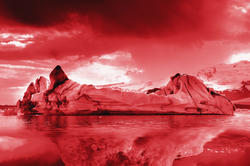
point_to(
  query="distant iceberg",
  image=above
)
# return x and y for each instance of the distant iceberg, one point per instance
(184, 94)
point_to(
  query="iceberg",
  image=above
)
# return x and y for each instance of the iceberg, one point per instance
(184, 94)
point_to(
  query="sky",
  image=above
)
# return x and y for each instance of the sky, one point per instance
(109, 41)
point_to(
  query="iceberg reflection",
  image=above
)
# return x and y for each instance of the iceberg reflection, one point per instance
(127, 140)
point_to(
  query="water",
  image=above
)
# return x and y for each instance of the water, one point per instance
(176, 140)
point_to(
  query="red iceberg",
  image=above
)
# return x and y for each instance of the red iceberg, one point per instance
(184, 94)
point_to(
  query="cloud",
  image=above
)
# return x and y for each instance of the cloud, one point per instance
(19, 37)
(205, 19)
(90, 28)
(117, 67)
(15, 40)
(239, 57)
(16, 43)
(162, 37)
(22, 67)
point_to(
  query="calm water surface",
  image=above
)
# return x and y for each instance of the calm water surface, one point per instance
(177, 140)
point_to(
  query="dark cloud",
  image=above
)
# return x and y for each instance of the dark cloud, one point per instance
(130, 17)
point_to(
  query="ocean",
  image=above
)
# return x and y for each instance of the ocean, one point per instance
(164, 140)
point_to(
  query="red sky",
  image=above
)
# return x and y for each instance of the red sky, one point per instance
(110, 41)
